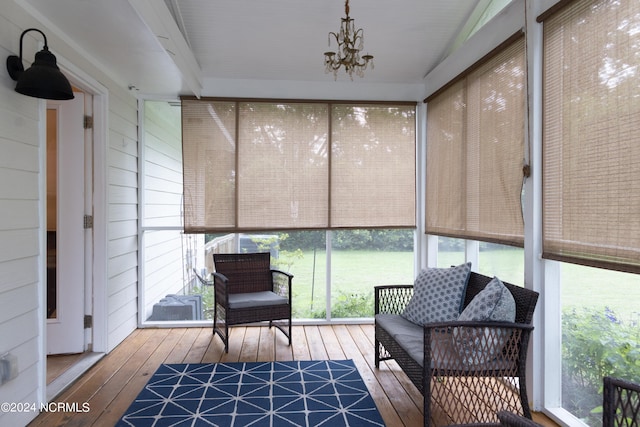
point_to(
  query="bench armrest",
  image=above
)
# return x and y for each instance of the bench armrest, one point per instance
(476, 324)
(392, 299)
(476, 347)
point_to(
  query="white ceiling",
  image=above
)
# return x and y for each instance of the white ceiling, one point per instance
(174, 47)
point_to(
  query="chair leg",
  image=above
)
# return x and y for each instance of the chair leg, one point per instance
(225, 338)
(279, 326)
(215, 318)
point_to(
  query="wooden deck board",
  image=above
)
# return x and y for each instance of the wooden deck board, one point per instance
(316, 347)
(332, 344)
(113, 383)
(183, 347)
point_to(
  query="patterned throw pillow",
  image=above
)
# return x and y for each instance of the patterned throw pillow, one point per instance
(438, 295)
(494, 303)
(479, 345)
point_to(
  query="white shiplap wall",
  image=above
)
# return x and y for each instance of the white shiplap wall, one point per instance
(122, 196)
(163, 164)
(22, 230)
(164, 266)
(20, 237)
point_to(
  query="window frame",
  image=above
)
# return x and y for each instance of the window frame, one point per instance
(144, 230)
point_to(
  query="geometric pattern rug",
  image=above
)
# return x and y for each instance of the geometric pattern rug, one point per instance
(327, 393)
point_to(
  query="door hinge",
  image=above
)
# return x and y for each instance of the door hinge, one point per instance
(88, 321)
(88, 221)
(88, 122)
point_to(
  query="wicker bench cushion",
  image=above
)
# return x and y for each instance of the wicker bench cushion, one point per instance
(408, 335)
(255, 299)
(448, 355)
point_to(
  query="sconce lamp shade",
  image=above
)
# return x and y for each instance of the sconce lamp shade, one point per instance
(43, 79)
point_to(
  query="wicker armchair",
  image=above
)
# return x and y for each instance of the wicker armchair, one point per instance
(247, 290)
(461, 387)
(620, 403)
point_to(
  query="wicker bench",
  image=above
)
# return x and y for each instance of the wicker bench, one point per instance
(455, 390)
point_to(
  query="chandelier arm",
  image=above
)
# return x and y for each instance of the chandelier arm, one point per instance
(335, 36)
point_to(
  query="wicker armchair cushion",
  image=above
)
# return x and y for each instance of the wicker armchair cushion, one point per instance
(494, 303)
(410, 337)
(438, 295)
(255, 299)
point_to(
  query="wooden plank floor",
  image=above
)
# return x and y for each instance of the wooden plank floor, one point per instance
(112, 384)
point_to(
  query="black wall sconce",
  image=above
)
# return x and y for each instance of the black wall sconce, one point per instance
(43, 79)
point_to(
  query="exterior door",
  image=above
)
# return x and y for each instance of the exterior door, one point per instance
(65, 322)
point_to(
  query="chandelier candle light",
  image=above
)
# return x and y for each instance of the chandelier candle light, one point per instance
(350, 42)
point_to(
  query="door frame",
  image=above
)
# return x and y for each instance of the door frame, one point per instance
(100, 106)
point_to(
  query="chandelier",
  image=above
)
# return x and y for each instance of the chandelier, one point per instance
(350, 42)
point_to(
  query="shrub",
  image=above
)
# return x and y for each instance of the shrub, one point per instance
(595, 344)
(348, 304)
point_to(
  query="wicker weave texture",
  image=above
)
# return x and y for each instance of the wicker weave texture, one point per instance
(470, 388)
(245, 272)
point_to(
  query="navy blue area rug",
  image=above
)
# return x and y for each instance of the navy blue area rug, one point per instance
(301, 393)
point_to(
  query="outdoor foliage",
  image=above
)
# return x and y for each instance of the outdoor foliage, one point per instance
(207, 299)
(286, 257)
(307, 241)
(348, 305)
(596, 344)
(362, 239)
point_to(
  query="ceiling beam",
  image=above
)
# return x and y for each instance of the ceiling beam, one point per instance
(157, 17)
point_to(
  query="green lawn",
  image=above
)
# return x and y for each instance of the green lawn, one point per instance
(596, 288)
(357, 272)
